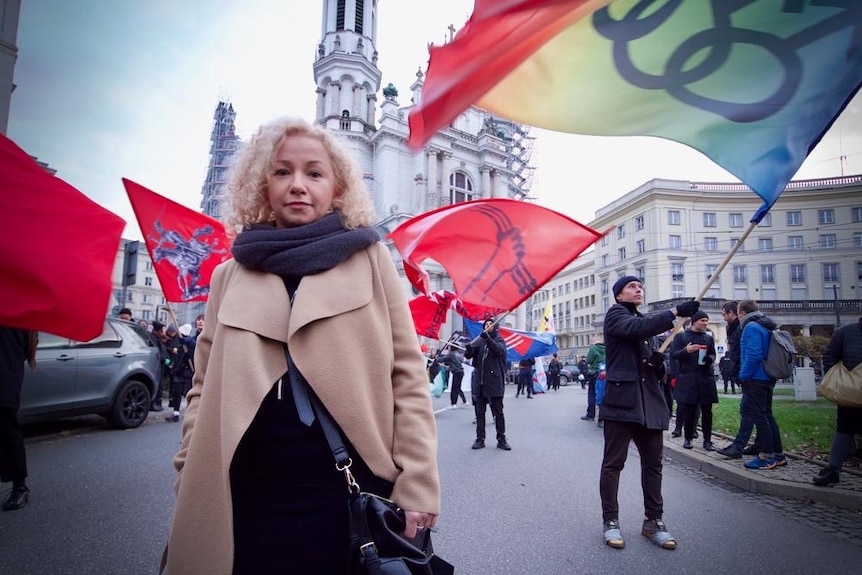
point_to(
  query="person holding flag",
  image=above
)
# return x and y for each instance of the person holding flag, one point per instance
(488, 353)
(633, 407)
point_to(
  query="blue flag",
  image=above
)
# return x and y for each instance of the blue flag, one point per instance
(519, 344)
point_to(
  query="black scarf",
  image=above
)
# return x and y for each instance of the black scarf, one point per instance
(303, 250)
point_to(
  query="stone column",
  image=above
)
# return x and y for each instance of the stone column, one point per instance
(445, 196)
(486, 182)
(321, 102)
(431, 181)
(358, 90)
(371, 100)
(335, 99)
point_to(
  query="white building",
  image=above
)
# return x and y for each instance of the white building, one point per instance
(802, 263)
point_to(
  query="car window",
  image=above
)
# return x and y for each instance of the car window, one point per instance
(51, 341)
(108, 338)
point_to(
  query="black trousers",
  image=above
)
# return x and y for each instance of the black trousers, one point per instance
(455, 390)
(179, 388)
(13, 457)
(496, 404)
(650, 443)
(690, 416)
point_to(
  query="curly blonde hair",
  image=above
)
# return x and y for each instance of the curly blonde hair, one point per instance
(253, 163)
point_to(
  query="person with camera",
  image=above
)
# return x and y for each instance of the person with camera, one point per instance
(634, 408)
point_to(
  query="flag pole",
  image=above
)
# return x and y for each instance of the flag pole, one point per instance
(709, 282)
(496, 321)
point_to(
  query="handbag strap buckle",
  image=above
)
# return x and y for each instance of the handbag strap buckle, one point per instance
(352, 485)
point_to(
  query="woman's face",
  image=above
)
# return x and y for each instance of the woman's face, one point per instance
(301, 184)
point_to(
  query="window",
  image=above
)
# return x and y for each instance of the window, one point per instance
(709, 220)
(677, 290)
(795, 243)
(673, 218)
(677, 271)
(148, 281)
(148, 266)
(740, 292)
(857, 214)
(794, 218)
(734, 241)
(640, 273)
(826, 216)
(146, 298)
(857, 239)
(739, 274)
(622, 253)
(735, 220)
(604, 260)
(768, 293)
(767, 274)
(830, 272)
(710, 271)
(460, 188)
(828, 241)
(797, 273)
(675, 242)
(710, 244)
(859, 270)
(799, 293)
(130, 297)
(642, 246)
(621, 231)
(639, 223)
(766, 222)
(764, 244)
(604, 240)
(604, 287)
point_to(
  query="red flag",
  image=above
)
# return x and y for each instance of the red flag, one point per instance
(57, 251)
(497, 252)
(185, 245)
(429, 311)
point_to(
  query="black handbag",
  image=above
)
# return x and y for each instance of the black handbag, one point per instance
(376, 523)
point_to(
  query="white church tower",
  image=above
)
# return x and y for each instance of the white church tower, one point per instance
(477, 156)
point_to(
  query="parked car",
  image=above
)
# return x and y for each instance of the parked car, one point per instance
(113, 375)
(570, 373)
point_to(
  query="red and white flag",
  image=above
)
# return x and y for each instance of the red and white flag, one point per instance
(57, 251)
(184, 245)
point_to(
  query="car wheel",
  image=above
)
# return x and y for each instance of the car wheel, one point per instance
(564, 379)
(131, 406)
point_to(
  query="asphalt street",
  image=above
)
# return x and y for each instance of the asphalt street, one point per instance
(102, 502)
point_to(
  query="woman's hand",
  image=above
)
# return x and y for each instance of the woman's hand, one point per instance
(417, 521)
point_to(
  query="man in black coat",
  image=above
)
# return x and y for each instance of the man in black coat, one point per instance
(844, 347)
(17, 346)
(634, 407)
(489, 362)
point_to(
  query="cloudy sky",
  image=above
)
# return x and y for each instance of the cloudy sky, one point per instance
(126, 88)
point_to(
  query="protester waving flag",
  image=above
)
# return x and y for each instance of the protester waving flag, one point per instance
(57, 251)
(497, 252)
(185, 245)
(752, 84)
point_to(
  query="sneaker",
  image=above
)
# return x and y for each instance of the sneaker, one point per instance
(826, 477)
(173, 418)
(760, 463)
(780, 460)
(709, 446)
(751, 450)
(612, 534)
(655, 531)
(17, 498)
(587, 418)
(503, 444)
(676, 433)
(686, 444)
(600, 424)
(731, 451)
(478, 444)
(694, 435)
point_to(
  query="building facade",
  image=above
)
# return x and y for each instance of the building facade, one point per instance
(802, 263)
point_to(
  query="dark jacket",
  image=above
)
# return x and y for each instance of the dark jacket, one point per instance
(733, 335)
(753, 346)
(452, 362)
(695, 383)
(13, 354)
(184, 368)
(633, 392)
(489, 361)
(845, 346)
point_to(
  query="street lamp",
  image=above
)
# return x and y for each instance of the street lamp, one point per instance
(835, 303)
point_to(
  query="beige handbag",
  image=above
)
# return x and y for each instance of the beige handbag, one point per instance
(842, 386)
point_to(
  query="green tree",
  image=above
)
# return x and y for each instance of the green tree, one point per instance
(812, 347)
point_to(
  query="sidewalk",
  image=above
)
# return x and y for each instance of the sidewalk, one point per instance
(792, 481)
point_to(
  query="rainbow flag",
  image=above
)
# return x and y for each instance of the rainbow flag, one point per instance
(752, 84)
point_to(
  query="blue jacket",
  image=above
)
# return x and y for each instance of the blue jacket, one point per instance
(753, 346)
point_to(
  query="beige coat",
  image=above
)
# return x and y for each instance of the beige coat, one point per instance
(352, 337)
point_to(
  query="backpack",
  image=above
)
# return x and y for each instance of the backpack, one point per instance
(778, 363)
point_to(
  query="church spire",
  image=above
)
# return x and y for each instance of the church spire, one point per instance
(345, 68)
